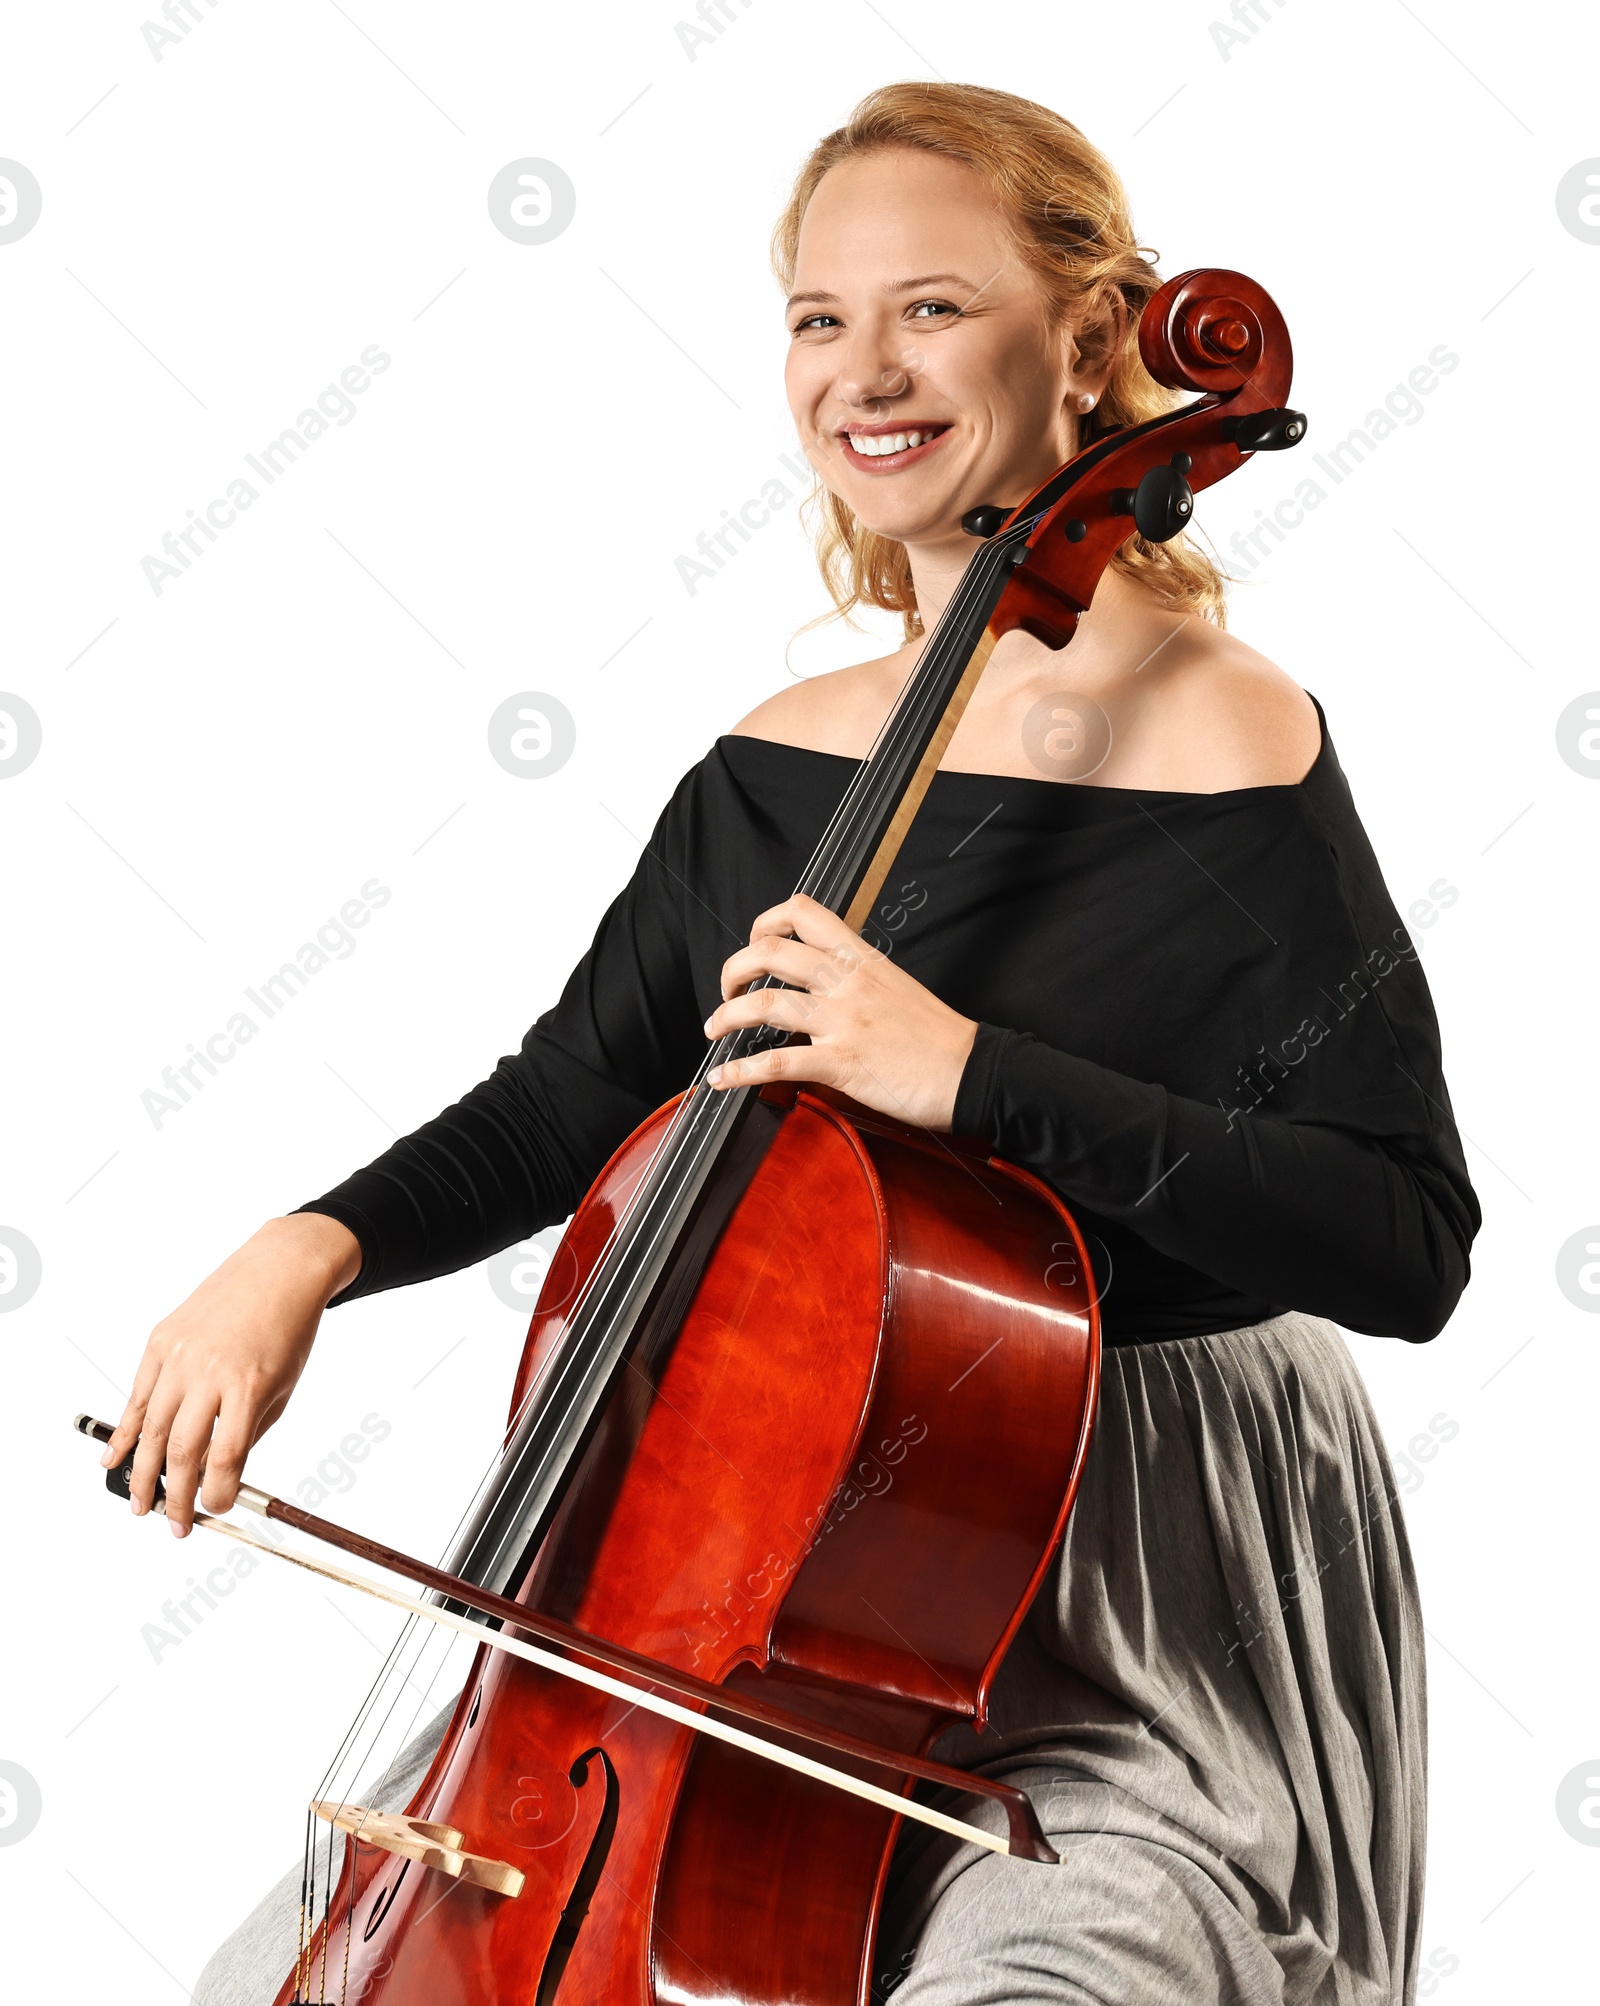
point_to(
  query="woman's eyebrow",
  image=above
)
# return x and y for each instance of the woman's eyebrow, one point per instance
(893, 286)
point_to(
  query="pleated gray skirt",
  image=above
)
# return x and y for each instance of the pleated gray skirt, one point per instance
(1216, 1702)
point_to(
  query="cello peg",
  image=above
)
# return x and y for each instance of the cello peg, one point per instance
(1160, 505)
(1269, 431)
(984, 520)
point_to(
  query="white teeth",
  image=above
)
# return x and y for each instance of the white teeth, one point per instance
(879, 445)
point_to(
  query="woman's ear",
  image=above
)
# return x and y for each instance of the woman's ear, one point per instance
(1094, 338)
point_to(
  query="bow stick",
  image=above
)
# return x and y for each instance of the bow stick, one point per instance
(591, 1661)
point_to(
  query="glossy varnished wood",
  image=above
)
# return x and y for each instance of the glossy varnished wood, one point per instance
(799, 1451)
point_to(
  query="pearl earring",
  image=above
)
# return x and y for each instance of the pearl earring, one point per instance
(1085, 401)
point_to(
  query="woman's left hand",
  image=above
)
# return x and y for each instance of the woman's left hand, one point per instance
(876, 1034)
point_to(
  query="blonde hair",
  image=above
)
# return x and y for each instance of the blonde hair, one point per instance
(1069, 210)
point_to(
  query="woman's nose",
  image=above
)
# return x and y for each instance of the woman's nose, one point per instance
(878, 370)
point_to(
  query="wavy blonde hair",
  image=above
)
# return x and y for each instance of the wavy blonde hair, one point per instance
(1069, 211)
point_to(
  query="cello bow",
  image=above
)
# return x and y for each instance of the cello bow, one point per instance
(572, 1653)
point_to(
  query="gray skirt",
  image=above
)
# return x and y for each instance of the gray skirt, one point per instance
(1216, 1702)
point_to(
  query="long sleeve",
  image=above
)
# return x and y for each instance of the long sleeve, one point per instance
(518, 1152)
(1301, 1214)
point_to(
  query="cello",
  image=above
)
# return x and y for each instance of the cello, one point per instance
(798, 1423)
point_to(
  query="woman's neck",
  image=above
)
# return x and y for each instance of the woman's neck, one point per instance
(1124, 621)
(936, 571)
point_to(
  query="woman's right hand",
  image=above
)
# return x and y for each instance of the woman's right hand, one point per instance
(219, 1370)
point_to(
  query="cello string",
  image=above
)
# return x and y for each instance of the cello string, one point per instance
(322, 1975)
(358, 1765)
(905, 718)
(354, 1763)
(362, 1713)
(425, 1701)
(389, 1670)
(859, 794)
(690, 1132)
(389, 1674)
(686, 1134)
(912, 717)
(923, 699)
(637, 1696)
(349, 1926)
(300, 1951)
(345, 1754)
(345, 1757)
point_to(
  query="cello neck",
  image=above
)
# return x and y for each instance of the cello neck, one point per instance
(850, 863)
(654, 1259)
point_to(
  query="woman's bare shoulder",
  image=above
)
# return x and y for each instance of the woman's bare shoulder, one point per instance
(839, 712)
(1215, 715)
(1234, 718)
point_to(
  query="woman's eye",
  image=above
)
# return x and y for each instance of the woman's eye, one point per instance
(929, 309)
(812, 321)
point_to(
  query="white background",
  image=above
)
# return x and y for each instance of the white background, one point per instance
(225, 764)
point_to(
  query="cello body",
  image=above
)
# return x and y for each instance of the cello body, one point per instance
(840, 1475)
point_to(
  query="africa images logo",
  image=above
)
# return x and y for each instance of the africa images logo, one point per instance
(20, 201)
(334, 406)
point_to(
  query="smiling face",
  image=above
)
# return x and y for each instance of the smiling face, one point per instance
(926, 371)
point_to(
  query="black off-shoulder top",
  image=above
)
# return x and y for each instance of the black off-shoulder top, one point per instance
(1201, 1020)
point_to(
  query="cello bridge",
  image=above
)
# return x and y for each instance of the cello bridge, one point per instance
(441, 1847)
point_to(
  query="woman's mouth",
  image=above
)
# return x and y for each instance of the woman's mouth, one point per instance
(885, 449)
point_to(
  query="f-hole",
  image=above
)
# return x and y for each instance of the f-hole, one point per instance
(382, 1905)
(577, 1908)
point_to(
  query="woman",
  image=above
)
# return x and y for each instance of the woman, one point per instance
(1171, 982)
